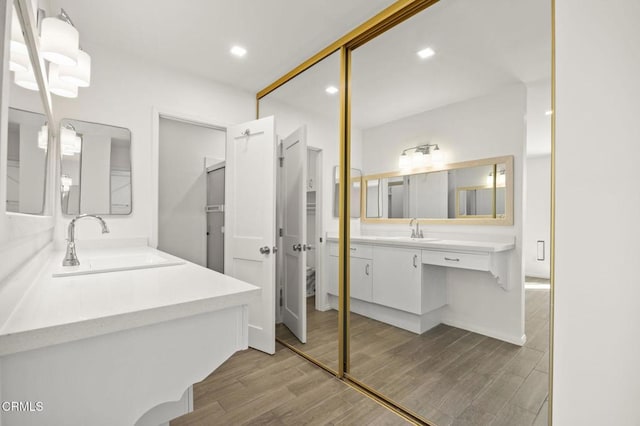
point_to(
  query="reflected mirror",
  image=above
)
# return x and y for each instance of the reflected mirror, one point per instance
(461, 191)
(95, 168)
(307, 273)
(356, 182)
(28, 133)
(26, 161)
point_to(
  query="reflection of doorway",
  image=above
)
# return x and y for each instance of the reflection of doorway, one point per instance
(306, 286)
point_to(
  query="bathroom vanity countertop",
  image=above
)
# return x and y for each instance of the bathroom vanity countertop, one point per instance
(433, 243)
(64, 309)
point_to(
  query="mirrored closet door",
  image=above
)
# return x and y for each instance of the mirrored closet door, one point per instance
(445, 108)
(306, 110)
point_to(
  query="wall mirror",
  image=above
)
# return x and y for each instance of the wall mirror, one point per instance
(356, 182)
(462, 191)
(28, 132)
(95, 173)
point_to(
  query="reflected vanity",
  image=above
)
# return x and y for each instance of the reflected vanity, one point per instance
(95, 168)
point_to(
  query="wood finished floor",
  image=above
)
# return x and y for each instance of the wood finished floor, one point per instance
(448, 375)
(253, 388)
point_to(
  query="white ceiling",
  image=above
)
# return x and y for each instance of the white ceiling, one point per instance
(195, 35)
(479, 45)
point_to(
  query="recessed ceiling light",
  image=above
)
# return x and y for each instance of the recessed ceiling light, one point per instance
(548, 112)
(332, 90)
(426, 53)
(238, 51)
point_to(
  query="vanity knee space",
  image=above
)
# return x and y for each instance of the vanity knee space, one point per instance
(405, 283)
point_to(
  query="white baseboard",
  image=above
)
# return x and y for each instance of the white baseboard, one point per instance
(515, 339)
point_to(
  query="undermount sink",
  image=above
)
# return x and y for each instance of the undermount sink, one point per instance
(117, 262)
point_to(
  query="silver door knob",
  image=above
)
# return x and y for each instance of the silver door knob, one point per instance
(297, 247)
(265, 250)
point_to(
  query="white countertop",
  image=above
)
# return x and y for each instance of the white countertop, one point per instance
(433, 243)
(63, 309)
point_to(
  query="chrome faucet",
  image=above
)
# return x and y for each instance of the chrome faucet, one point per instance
(417, 232)
(70, 258)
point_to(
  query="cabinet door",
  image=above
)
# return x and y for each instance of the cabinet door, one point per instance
(361, 278)
(398, 279)
(332, 275)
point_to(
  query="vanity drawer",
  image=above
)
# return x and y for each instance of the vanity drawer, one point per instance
(476, 261)
(361, 251)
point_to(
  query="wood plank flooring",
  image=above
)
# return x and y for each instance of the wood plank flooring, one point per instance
(448, 375)
(253, 388)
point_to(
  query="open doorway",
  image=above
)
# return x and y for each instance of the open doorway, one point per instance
(186, 150)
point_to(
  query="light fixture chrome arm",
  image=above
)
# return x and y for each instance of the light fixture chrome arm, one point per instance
(70, 257)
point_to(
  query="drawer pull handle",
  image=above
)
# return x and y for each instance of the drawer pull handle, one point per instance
(415, 260)
(352, 248)
(366, 269)
(452, 259)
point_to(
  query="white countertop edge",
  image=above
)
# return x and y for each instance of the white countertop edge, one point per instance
(440, 244)
(11, 343)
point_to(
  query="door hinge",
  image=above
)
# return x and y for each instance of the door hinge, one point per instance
(280, 232)
(280, 297)
(281, 153)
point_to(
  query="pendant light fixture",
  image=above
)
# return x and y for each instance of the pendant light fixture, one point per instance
(26, 79)
(79, 74)
(59, 87)
(59, 40)
(70, 142)
(18, 54)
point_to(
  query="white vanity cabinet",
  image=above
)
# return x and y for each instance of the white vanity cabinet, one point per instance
(397, 282)
(403, 281)
(361, 272)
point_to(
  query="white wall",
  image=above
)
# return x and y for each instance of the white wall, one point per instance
(596, 373)
(124, 92)
(182, 198)
(489, 126)
(537, 220)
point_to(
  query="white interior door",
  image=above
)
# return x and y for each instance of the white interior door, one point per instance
(250, 210)
(294, 185)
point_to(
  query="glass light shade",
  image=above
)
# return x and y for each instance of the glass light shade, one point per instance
(417, 159)
(66, 182)
(19, 61)
(490, 179)
(437, 156)
(43, 137)
(404, 162)
(70, 142)
(59, 41)
(78, 75)
(502, 179)
(59, 87)
(26, 79)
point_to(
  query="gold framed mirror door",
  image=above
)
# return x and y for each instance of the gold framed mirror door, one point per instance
(359, 339)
